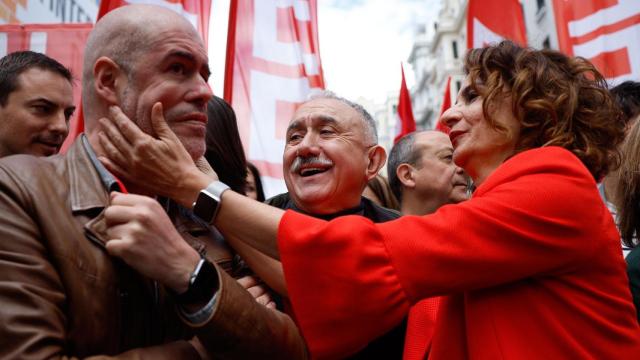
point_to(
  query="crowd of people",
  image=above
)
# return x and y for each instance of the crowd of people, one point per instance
(151, 236)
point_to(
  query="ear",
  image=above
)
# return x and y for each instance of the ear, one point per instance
(404, 172)
(107, 79)
(377, 157)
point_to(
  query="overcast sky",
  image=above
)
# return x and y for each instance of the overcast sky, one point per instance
(362, 43)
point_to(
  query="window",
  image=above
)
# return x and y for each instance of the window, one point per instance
(454, 44)
(541, 4)
(458, 86)
(546, 44)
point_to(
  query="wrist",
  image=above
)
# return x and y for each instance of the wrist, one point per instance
(185, 272)
(191, 186)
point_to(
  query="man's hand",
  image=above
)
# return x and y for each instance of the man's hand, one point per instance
(257, 290)
(143, 236)
(158, 164)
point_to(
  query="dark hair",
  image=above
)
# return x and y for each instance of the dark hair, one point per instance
(558, 100)
(401, 153)
(14, 64)
(380, 186)
(256, 177)
(627, 188)
(224, 148)
(627, 95)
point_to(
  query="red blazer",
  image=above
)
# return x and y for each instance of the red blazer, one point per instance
(531, 267)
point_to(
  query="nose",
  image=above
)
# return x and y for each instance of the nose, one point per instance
(200, 92)
(450, 117)
(308, 146)
(59, 124)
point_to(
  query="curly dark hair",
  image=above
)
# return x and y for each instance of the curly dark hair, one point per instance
(558, 100)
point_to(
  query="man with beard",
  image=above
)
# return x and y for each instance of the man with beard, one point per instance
(63, 294)
(36, 103)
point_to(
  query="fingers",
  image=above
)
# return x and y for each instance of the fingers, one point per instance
(160, 125)
(247, 282)
(111, 144)
(117, 247)
(115, 169)
(203, 165)
(129, 130)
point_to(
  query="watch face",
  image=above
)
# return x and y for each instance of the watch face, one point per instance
(205, 206)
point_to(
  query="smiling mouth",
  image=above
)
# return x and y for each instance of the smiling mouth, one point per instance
(310, 171)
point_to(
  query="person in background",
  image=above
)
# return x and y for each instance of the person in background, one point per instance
(36, 103)
(627, 202)
(627, 95)
(379, 191)
(530, 266)
(254, 188)
(224, 150)
(71, 285)
(423, 175)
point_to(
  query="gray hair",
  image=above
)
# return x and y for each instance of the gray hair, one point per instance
(371, 132)
(402, 152)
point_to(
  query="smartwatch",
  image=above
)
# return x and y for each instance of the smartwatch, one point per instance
(203, 283)
(208, 201)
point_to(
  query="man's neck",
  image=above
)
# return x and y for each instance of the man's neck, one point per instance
(413, 205)
(94, 141)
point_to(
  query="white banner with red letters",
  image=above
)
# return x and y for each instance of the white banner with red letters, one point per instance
(273, 62)
(607, 32)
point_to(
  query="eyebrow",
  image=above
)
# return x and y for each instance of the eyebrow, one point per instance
(185, 55)
(323, 119)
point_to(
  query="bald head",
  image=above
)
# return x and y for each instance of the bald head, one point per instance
(421, 172)
(124, 35)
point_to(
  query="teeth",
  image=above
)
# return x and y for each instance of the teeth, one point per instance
(311, 171)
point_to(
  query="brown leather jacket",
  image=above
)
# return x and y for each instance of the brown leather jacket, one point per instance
(63, 296)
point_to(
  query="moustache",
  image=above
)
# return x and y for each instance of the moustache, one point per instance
(313, 160)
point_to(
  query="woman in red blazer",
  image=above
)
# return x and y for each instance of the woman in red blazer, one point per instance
(529, 268)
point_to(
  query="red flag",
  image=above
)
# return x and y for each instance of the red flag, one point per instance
(491, 21)
(607, 32)
(405, 112)
(63, 42)
(446, 103)
(273, 62)
(196, 11)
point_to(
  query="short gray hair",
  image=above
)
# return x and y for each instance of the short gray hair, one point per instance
(371, 132)
(402, 152)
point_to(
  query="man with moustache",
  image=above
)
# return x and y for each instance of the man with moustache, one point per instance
(36, 103)
(422, 173)
(70, 285)
(331, 152)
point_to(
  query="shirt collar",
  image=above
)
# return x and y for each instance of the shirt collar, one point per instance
(110, 182)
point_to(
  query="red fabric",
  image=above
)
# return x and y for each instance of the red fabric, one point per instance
(420, 327)
(605, 32)
(531, 267)
(405, 112)
(198, 11)
(484, 27)
(446, 104)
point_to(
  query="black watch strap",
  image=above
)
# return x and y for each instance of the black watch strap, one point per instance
(203, 283)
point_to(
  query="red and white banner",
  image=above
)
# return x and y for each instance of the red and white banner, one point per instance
(63, 42)
(273, 62)
(405, 119)
(491, 21)
(196, 11)
(607, 32)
